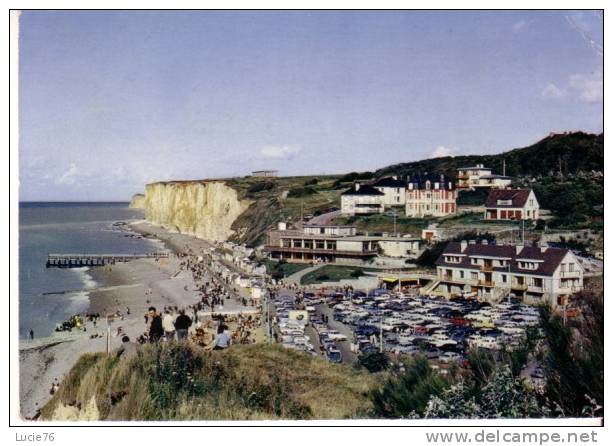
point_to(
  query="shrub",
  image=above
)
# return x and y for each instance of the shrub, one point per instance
(298, 192)
(374, 361)
(261, 186)
(407, 393)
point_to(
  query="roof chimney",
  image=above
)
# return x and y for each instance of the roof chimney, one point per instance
(357, 187)
(463, 245)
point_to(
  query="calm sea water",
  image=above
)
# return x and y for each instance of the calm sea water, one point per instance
(50, 295)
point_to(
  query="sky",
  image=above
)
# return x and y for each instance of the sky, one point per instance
(110, 101)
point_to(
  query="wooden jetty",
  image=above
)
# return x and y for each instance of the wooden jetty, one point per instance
(80, 260)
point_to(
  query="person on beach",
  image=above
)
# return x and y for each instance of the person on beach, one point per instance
(168, 323)
(31, 334)
(182, 325)
(156, 331)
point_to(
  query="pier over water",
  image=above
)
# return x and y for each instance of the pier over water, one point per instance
(80, 260)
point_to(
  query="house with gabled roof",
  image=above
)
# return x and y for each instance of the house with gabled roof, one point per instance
(534, 274)
(393, 189)
(511, 204)
(362, 199)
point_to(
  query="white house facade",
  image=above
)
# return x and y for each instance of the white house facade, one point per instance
(362, 199)
(511, 204)
(492, 272)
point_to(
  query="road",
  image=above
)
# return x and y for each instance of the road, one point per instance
(343, 346)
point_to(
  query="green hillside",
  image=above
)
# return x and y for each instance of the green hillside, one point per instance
(178, 382)
(560, 168)
(566, 153)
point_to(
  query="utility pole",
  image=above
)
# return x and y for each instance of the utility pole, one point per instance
(504, 167)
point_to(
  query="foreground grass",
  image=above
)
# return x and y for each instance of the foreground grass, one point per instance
(177, 382)
(333, 273)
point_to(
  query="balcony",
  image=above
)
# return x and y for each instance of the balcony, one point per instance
(273, 248)
(571, 274)
(486, 283)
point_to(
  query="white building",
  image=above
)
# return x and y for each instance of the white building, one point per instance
(511, 204)
(400, 246)
(337, 244)
(393, 189)
(341, 230)
(481, 176)
(533, 274)
(362, 199)
(433, 195)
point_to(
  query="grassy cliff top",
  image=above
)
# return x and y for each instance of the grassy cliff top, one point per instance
(178, 382)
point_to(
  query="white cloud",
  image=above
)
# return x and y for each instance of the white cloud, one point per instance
(589, 86)
(280, 152)
(442, 151)
(551, 91)
(69, 176)
(518, 26)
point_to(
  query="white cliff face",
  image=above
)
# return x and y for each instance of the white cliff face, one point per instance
(202, 209)
(138, 201)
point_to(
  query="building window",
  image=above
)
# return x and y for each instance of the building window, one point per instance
(504, 278)
(474, 276)
(461, 274)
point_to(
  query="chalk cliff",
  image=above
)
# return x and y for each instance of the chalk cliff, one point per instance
(138, 201)
(205, 209)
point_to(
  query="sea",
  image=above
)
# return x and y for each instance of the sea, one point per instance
(48, 296)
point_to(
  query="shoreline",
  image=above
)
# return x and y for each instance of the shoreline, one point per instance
(119, 287)
(124, 288)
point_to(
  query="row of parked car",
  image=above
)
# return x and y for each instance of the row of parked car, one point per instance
(444, 330)
(291, 331)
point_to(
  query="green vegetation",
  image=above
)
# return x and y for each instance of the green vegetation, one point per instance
(350, 178)
(567, 153)
(575, 202)
(333, 273)
(559, 168)
(280, 199)
(406, 393)
(177, 382)
(279, 270)
(298, 192)
(574, 359)
(472, 197)
(374, 361)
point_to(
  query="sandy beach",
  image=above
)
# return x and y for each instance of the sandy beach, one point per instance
(122, 287)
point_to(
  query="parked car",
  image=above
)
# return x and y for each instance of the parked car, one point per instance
(334, 355)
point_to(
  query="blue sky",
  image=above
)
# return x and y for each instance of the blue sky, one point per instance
(112, 100)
